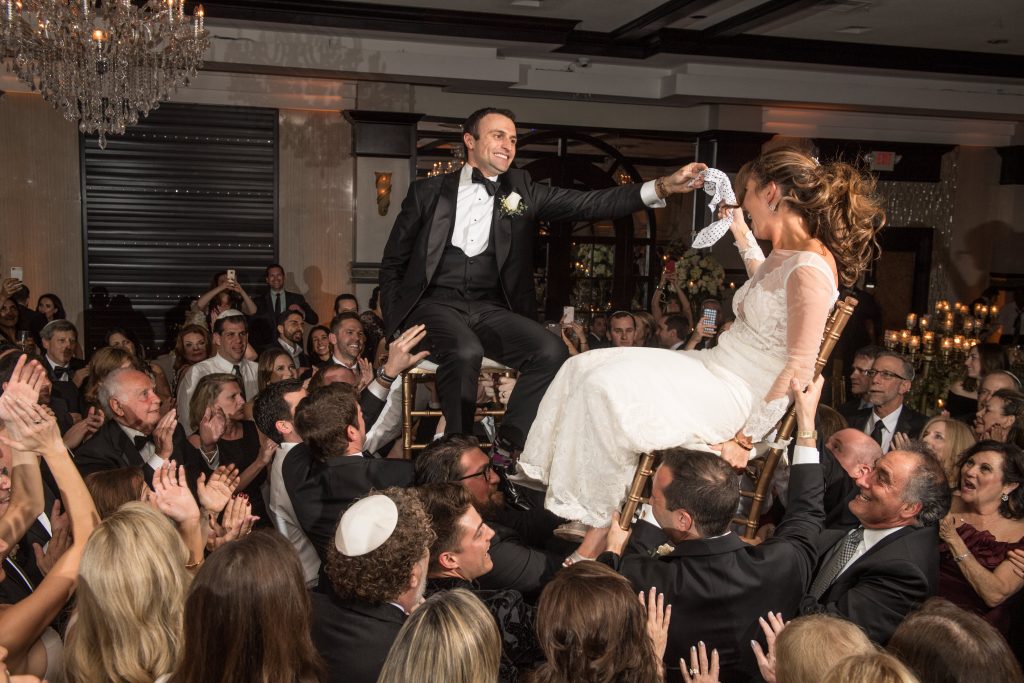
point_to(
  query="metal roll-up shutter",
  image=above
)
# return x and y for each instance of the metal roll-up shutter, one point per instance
(188, 191)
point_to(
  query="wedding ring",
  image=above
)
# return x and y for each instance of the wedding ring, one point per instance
(693, 672)
(37, 421)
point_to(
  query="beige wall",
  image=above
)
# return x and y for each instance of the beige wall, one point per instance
(40, 196)
(316, 217)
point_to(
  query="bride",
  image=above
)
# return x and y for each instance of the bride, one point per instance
(606, 406)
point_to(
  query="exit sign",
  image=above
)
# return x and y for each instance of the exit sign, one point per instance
(882, 161)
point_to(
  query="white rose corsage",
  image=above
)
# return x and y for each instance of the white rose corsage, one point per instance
(512, 205)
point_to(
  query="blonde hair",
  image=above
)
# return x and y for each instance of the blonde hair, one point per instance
(205, 395)
(130, 599)
(838, 202)
(958, 438)
(450, 638)
(810, 646)
(874, 667)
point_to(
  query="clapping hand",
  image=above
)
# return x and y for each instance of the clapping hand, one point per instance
(212, 426)
(701, 670)
(658, 617)
(772, 627)
(31, 428)
(83, 429)
(365, 374)
(60, 540)
(26, 380)
(215, 493)
(238, 521)
(163, 434)
(171, 495)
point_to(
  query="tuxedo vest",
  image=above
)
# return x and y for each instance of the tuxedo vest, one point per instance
(473, 277)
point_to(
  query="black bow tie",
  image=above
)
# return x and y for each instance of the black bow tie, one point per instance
(488, 184)
(141, 440)
(60, 371)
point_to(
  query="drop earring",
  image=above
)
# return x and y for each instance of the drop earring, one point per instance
(1004, 498)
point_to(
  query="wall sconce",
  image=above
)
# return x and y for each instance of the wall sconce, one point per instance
(383, 184)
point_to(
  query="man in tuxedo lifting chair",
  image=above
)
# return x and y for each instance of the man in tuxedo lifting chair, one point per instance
(460, 261)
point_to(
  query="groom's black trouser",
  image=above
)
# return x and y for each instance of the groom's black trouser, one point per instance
(460, 333)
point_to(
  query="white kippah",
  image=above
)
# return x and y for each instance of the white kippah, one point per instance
(229, 313)
(366, 526)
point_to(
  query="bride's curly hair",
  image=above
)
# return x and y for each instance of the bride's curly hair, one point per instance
(838, 202)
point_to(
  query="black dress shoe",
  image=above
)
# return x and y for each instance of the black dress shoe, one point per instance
(513, 498)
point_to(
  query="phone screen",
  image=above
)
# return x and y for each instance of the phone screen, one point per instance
(17, 272)
(711, 316)
(231, 274)
(568, 315)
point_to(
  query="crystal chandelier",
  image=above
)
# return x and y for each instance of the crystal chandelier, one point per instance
(102, 62)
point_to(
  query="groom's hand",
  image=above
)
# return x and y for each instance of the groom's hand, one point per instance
(685, 179)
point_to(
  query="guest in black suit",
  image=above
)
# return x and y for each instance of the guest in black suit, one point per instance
(337, 473)
(460, 260)
(378, 573)
(891, 377)
(275, 302)
(715, 581)
(59, 339)
(289, 337)
(860, 381)
(876, 573)
(134, 434)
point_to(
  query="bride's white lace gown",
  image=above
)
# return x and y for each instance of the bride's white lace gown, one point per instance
(606, 406)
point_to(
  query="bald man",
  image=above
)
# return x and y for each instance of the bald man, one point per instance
(848, 454)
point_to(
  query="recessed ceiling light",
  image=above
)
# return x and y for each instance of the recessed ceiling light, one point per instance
(854, 30)
(525, 3)
(997, 41)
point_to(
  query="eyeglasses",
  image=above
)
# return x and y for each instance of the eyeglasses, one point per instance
(860, 371)
(484, 472)
(884, 373)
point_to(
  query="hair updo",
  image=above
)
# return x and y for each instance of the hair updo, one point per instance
(838, 202)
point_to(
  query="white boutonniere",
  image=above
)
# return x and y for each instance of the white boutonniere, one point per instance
(664, 549)
(512, 205)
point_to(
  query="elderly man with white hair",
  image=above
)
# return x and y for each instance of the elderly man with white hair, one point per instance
(134, 434)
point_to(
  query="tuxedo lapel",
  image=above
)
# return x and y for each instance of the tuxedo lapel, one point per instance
(441, 222)
(502, 225)
(125, 447)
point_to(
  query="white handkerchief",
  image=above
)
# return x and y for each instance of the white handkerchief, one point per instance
(717, 185)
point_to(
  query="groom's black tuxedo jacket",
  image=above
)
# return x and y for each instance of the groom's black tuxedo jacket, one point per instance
(424, 228)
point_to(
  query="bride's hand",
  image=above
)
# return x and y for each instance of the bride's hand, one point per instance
(732, 453)
(739, 227)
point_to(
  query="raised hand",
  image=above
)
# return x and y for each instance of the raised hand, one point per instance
(60, 540)
(772, 627)
(400, 356)
(238, 521)
(26, 380)
(658, 617)
(215, 493)
(31, 428)
(83, 429)
(365, 374)
(10, 287)
(171, 495)
(701, 670)
(686, 178)
(900, 441)
(267, 450)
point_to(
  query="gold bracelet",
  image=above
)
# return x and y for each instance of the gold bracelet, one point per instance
(745, 445)
(659, 188)
(195, 564)
(812, 434)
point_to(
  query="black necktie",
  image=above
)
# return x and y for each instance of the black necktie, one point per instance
(141, 440)
(60, 372)
(277, 302)
(831, 570)
(237, 369)
(876, 432)
(488, 184)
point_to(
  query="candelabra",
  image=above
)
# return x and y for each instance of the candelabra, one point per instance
(938, 352)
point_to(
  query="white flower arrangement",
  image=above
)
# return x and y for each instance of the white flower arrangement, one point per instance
(512, 205)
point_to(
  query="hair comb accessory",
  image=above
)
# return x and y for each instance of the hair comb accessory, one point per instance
(718, 187)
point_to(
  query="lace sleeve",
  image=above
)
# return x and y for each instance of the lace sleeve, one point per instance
(750, 252)
(809, 297)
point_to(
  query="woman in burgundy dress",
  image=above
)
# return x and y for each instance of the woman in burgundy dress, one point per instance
(985, 523)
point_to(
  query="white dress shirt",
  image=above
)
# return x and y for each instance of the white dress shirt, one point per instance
(283, 513)
(871, 537)
(888, 426)
(208, 367)
(474, 209)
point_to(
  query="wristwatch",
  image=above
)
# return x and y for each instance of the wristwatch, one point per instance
(384, 377)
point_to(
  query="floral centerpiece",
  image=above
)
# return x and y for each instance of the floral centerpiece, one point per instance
(699, 275)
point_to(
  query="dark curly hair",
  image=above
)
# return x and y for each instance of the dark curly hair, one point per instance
(1012, 471)
(383, 574)
(838, 202)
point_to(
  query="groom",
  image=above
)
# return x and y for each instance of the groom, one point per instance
(460, 261)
